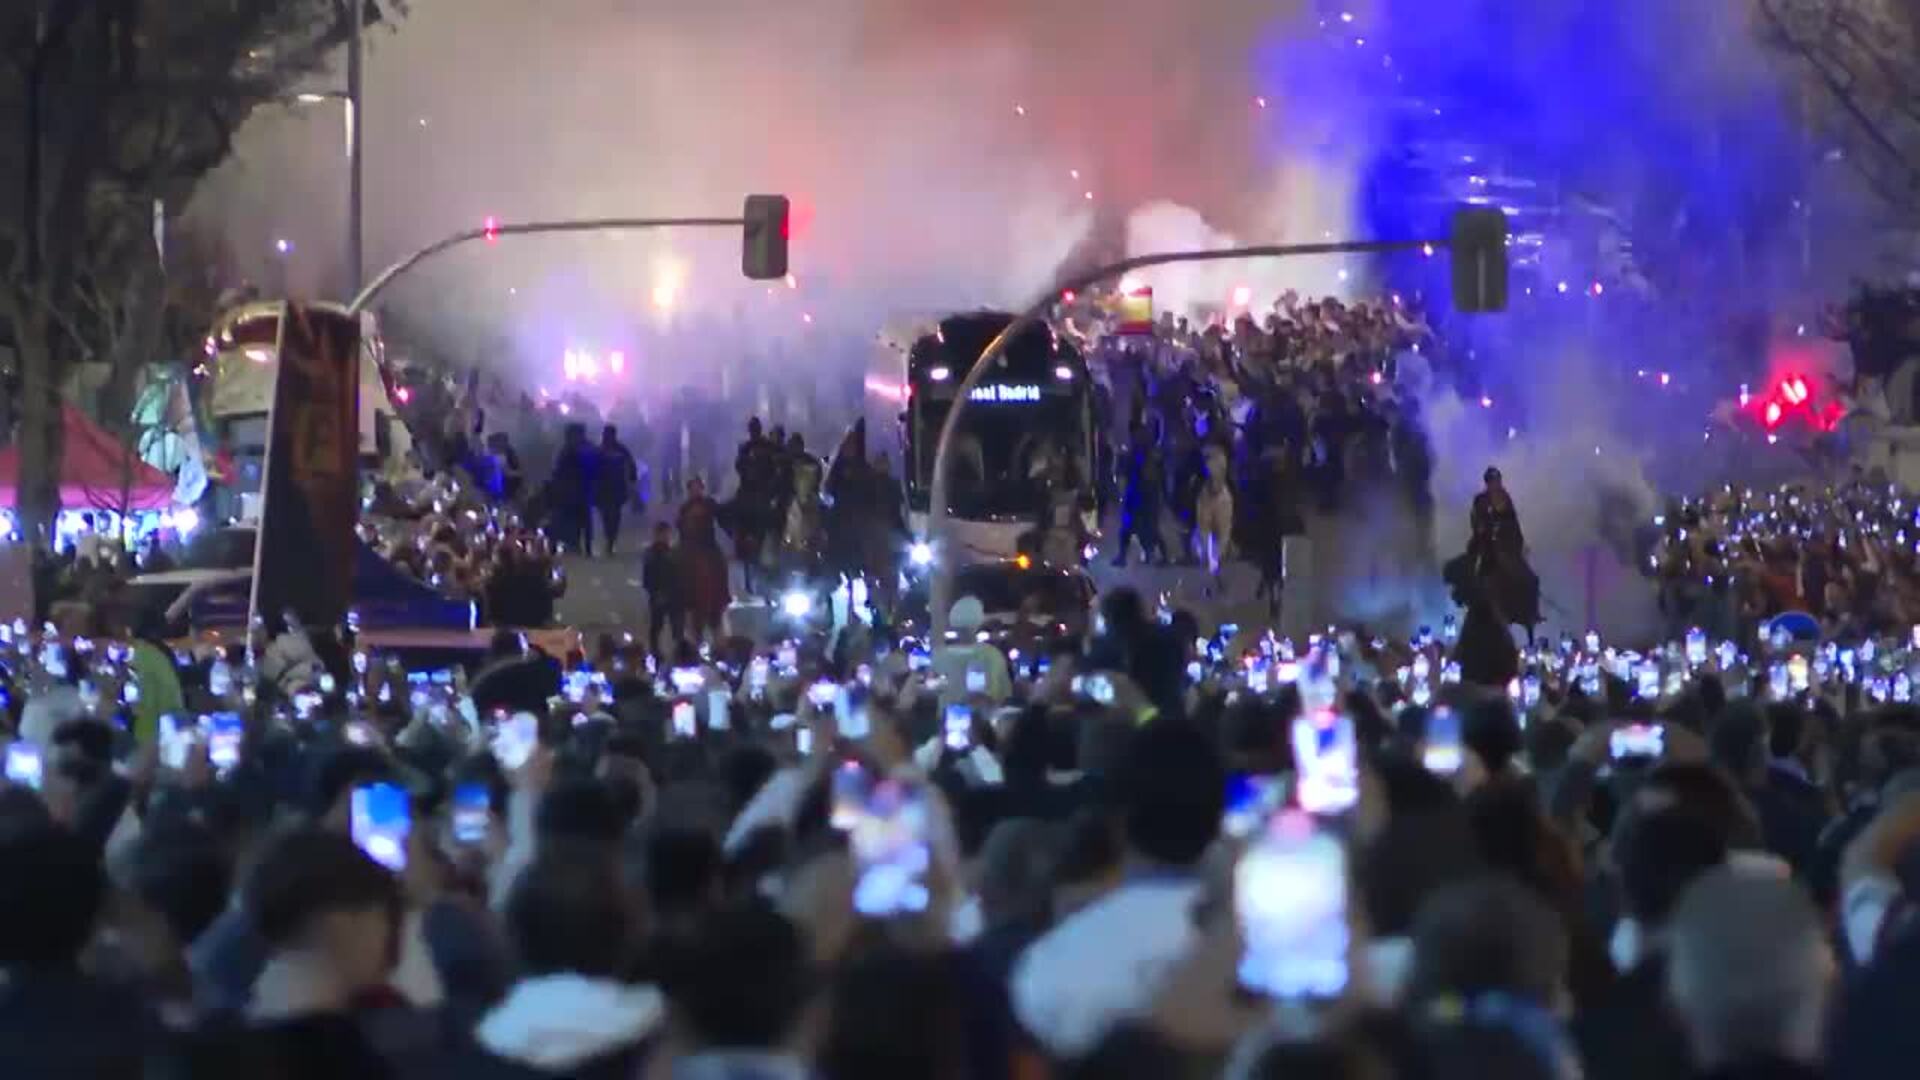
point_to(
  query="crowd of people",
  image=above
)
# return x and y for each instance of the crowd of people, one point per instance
(1145, 852)
(451, 533)
(1846, 555)
(1236, 431)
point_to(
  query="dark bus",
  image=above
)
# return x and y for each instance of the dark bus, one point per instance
(1029, 428)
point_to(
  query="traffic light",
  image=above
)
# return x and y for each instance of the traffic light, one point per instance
(1479, 259)
(763, 255)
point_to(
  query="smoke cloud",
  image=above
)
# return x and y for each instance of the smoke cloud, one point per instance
(940, 155)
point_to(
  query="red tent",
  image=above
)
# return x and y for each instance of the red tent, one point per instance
(96, 472)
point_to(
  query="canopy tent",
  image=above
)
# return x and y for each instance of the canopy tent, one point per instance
(96, 472)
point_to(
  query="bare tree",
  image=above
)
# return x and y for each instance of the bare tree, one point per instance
(1864, 73)
(105, 107)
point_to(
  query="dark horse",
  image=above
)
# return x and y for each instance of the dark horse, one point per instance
(1494, 583)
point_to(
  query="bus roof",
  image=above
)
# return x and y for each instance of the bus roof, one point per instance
(959, 339)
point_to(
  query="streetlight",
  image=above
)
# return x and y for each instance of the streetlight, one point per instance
(350, 115)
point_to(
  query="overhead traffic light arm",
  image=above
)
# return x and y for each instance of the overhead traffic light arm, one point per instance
(764, 236)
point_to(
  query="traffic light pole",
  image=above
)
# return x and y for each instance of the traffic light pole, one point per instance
(942, 584)
(527, 228)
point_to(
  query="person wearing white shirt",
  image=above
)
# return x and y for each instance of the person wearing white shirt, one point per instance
(1103, 964)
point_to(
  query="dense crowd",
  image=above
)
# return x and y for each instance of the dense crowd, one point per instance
(1848, 556)
(452, 533)
(1234, 432)
(1142, 852)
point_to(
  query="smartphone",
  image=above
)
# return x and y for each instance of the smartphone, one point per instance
(757, 673)
(976, 681)
(1530, 691)
(685, 725)
(1637, 741)
(176, 740)
(381, 819)
(823, 693)
(851, 783)
(1592, 641)
(1902, 688)
(686, 680)
(1290, 899)
(1798, 674)
(959, 728)
(803, 740)
(1098, 689)
(918, 659)
(1440, 748)
(472, 813)
(850, 712)
(129, 693)
(223, 739)
(359, 661)
(1195, 671)
(1327, 762)
(219, 679)
(1251, 800)
(787, 657)
(888, 839)
(25, 766)
(1646, 680)
(514, 740)
(718, 702)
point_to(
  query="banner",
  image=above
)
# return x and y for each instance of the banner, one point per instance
(310, 489)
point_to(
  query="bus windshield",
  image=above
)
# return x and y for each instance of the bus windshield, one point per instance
(1005, 456)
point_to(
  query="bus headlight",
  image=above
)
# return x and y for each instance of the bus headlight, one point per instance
(796, 604)
(920, 554)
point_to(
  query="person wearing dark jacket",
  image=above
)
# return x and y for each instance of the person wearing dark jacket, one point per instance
(571, 490)
(660, 577)
(329, 918)
(54, 1020)
(614, 483)
(569, 1015)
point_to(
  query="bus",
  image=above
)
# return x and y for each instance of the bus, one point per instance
(1030, 428)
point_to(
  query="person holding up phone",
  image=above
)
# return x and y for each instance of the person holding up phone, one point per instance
(971, 668)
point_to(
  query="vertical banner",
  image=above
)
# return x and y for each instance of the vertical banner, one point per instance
(310, 486)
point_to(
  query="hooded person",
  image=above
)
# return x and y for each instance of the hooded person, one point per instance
(971, 668)
(573, 930)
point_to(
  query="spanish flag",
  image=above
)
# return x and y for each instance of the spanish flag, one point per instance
(1135, 311)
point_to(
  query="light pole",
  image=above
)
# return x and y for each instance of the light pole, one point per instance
(350, 114)
(356, 94)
